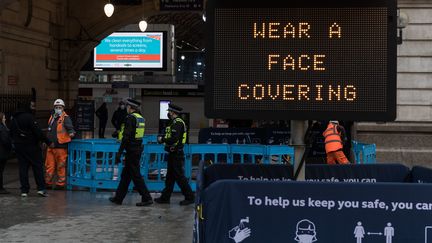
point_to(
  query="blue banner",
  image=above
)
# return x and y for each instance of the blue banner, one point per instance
(358, 173)
(247, 172)
(306, 212)
(421, 174)
(268, 136)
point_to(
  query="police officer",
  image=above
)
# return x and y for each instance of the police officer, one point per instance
(175, 138)
(131, 141)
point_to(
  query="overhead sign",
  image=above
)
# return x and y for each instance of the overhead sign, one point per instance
(170, 5)
(301, 59)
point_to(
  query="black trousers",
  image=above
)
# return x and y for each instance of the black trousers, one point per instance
(102, 126)
(131, 171)
(30, 155)
(175, 173)
(2, 167)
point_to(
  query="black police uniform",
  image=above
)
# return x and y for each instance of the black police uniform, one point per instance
(131, 171)
(174, 141)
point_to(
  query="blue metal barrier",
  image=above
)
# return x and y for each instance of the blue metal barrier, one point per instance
(91, 163)
(208, 153)
(364, 153)
(249, 153)
(150, 139)
(280, 154)
(154, 166)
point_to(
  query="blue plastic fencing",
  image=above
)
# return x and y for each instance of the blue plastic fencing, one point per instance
(364, 153)
(91, 162)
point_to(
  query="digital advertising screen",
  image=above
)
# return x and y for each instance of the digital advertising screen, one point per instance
(131, 51)
(301, 60)
(163, 109)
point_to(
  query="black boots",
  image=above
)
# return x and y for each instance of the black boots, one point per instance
(115, 201)
(162, 200)
(145, 202)
(187, 202)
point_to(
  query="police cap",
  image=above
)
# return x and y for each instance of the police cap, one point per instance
(174, 108)
(133, 103)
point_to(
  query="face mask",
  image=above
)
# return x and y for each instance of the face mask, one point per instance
(305, 238)
(58, 111)
(169, 116)
(122, 107)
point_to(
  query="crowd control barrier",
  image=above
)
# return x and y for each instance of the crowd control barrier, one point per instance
(91, 162)
(364, 153)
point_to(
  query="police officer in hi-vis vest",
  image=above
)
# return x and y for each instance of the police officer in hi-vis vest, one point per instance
(174, 139)
(131, 136)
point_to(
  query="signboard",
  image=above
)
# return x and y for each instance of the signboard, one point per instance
(257, 211)
(12, 80)
(170, 5)
(312, 60)
(131, 51)
(84, 115)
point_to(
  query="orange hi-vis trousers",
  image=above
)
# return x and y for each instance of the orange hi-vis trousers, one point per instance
(338, 156)
(55, 164)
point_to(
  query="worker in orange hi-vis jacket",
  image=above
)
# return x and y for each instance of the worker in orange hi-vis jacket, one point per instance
(61, 132)
(333, 139)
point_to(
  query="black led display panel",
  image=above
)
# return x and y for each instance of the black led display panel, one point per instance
(314, 60)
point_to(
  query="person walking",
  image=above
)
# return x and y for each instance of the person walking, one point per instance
(118, 118)
(334, 136)
(102, 114)
(174, 139)
(5, 149)
(60, 132)
(132, 135)
(26, 136)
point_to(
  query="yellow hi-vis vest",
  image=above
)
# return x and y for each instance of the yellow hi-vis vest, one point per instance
(140, 127)
(168, 131)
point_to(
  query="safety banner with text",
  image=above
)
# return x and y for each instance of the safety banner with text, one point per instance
(257, 211)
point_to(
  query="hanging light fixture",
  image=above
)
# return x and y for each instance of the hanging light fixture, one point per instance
(204, 17)
(142, 25)
(109, 9)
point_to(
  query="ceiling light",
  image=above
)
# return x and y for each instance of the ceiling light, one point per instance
(109, 9)
(142, 25)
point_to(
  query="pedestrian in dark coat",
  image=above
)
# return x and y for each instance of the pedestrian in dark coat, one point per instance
(102, 114)
(5, 149)
(119, 117)
(26, 137)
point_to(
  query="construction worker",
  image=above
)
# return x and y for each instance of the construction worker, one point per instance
(334, 136)
(175, 138)
(60, 132)
(132, 135)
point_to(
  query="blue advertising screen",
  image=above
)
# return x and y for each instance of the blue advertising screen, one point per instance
(131, 50)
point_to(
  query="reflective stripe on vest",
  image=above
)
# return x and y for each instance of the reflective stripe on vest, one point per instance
(332, 139)
(140, 127)
(62, 134)
(168, 131)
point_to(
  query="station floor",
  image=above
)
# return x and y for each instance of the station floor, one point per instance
(81, 216)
